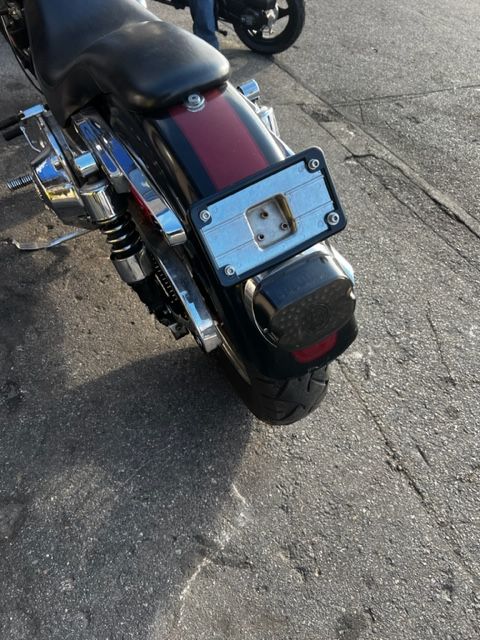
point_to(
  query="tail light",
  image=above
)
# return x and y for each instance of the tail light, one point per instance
(300, 306)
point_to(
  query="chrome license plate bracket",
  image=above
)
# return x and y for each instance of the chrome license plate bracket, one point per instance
(268, 217)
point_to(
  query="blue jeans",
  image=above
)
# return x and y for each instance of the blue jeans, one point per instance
(203, 15)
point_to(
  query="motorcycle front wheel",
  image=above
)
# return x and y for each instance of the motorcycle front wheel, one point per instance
(286, 30)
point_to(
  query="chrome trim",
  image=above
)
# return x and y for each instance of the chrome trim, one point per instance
(285, 148)
(332, 219)
(343, 263)
(203, 325)
(56, 185)
(234, 358)
(98, 202)
(23, 129)
(92, 137)
(250, 89)
(174, 232)
(85, 165)
(54, 177)
(275, 134)
(134, 268)
(267, 116)
(201, 322)
(248, 297)
(116, 161)
(53, 170)
(33, 111)
(49, 244)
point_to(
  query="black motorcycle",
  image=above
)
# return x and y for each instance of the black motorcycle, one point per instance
(210, 218)
(265, 26)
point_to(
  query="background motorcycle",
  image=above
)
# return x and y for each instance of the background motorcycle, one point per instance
(265, 26)
(210, 218)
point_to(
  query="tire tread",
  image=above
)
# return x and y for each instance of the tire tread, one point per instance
(280, 401)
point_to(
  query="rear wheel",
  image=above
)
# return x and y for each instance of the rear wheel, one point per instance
(278, 401)
(285, 31)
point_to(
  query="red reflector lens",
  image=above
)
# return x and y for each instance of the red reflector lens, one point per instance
(141, 203)
(316, 350)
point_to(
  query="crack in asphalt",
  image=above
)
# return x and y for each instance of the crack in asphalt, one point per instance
(439, 345)
(403, 96)
(398, 465)
(422, 454)
(213, 552)
(330, 112)
(434, 198)
(437, 203)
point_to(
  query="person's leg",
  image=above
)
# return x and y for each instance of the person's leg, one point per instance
(203, 15)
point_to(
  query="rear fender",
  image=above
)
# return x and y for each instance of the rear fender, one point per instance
(191, 155)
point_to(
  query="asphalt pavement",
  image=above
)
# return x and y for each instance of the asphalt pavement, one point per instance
(138, 497)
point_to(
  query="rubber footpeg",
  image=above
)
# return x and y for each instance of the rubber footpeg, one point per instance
(12, 133)
(9, 122)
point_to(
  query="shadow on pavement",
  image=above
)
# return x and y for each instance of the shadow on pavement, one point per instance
(128, 475)
(107, 490)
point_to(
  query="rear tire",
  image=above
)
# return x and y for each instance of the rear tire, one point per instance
(255, 41)
(279, 401)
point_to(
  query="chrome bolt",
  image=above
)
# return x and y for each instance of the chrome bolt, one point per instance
(333, 219)
(195, 102)
(230, 271)
(205, 216)
(313, 164)
(18, 183)
(85, 165)
(260, 237)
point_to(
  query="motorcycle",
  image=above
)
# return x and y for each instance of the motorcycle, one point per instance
(264, 26)
(218, 226)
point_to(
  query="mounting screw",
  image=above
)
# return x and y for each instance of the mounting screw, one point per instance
(205, 216)
(284, 226)
(313, 164)
(333, 219)
(260, 237)
(230, 271)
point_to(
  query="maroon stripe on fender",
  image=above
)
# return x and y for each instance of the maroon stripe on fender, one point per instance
(220, 139)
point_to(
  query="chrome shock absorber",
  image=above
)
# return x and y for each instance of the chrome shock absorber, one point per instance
(109, 213)
(125, 244)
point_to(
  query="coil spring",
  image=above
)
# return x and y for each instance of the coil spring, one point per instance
(122, 236)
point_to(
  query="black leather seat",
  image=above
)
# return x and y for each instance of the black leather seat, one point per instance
(85, 48)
